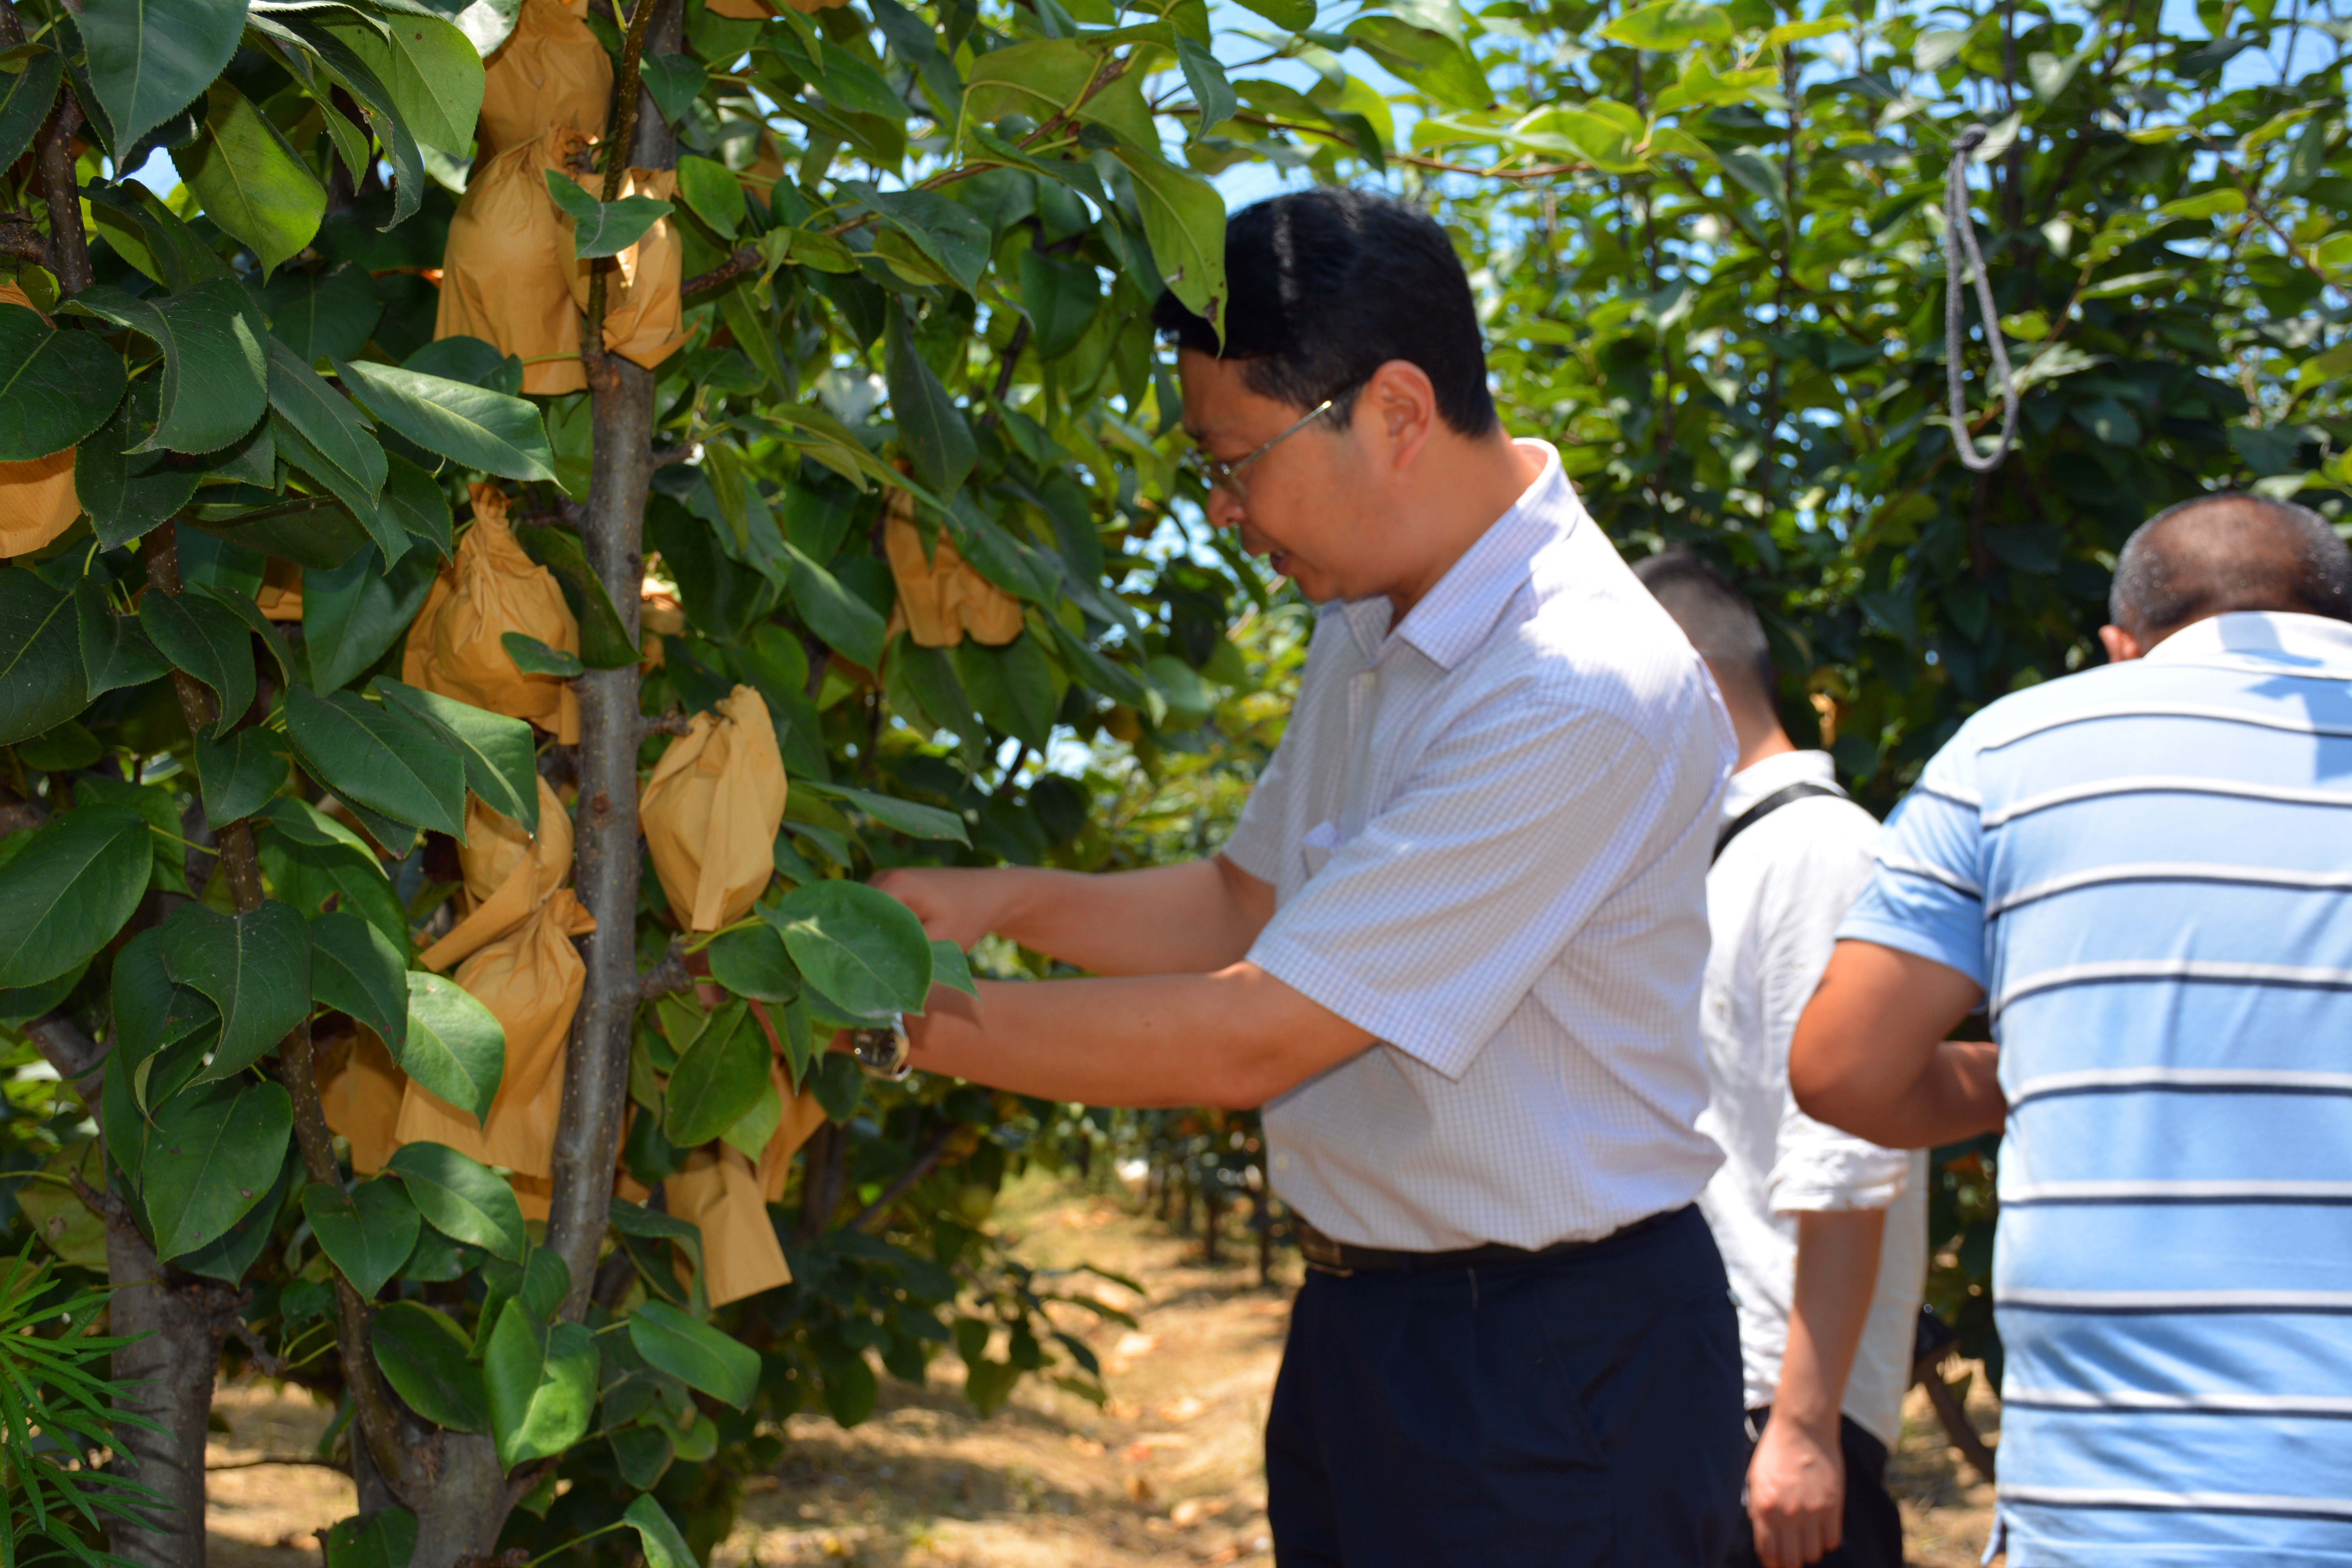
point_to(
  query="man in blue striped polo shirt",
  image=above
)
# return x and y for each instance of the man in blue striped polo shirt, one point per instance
(2143, 867)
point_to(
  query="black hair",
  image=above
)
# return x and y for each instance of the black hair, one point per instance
(1717, 617)
(2228, 551)
(1324, 286)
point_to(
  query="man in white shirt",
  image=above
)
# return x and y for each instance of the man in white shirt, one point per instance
(1824, 1236)
(1453, 947)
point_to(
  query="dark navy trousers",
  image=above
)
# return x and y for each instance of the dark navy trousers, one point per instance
(1578, 1410)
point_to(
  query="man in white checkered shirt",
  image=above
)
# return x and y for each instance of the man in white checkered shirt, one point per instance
(1453, 946)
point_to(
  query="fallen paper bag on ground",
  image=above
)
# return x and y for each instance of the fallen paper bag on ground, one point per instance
(491, 588)
(711, 811)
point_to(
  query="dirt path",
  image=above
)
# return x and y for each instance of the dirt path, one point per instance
(1168, 1474)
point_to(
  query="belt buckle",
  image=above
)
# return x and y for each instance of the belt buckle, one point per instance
(1319, 1250)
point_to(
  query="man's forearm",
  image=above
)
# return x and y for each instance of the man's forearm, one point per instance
(1869, 1055)
(1235, 1038)
(1837, 1273)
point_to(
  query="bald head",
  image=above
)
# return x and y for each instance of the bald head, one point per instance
(2220, 554)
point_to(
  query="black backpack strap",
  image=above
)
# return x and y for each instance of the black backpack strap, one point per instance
(1765, 807)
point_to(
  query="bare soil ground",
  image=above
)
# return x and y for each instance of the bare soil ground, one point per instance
(1166, 1474)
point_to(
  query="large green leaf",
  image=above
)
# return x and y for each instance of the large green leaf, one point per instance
(356, 500)
(228, 1259)
(351, 614)
(658, 1535)
(238, 775)
(541, 1385)
(1669, 24)
(1041, 79)
(1184, 222)
(718, 1078)
(211, 335)
(250, 181)
(64, 894)
(25, 99)
(602, 228)
(126, 492)
(1437, 64)
(461, 1198)
(454, 1047)
(752, 961)
(41, 656)
(380, 759)
(1059, 298)
(1013, 686)
(604, 639)
(862, 947)
(322, 314)
(422, 1354)
(326, 419)
(385, 1539)
(212, 1151)
(432, 70)
(939, 442)
(55, 387)
(150, 1010)
(696, 1353)
(204, 637)
(470, 426)
(255, 967)
(309, 874)
(712, 191)
(847, 623)
(501, 763)
(357, 969)
(150, 58)
(911, 817)
(116, 650)
(368, 1232)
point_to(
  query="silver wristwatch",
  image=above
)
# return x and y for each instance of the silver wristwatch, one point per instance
(883, 1050)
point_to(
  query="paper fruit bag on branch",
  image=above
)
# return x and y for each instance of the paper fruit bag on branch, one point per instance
(361, 1088)
(508, 272)
(549, 72)
(644, 317)
(280, 598)
(530, 980)
(711, 810)
(36, 497)
(943, 599)
(726, 1194)
(508, 874)
(489, 588)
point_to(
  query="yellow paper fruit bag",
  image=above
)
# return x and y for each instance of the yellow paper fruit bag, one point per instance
(530, 980)
(711, 810)
(280, 598)
(944, 598)
(491, 588)
(508, 272)
(718, 1190)
(508, 874)
(643, 318)
(361, 1088)
(549, 72)
(37, 496)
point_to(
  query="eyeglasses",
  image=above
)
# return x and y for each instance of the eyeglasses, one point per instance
(1217, 474)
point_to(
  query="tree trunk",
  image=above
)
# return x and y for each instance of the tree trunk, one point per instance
(596, 1065)
(177, 1332)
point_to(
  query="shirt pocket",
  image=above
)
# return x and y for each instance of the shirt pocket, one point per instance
(1316, 845)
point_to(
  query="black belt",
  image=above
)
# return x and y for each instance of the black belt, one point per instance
(1326, 1256)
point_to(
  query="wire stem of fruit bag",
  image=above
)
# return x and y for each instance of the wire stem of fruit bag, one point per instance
(1960, 235)
(625, 91)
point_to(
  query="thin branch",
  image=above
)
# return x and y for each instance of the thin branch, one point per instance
(740, 260)
(303, 1459)
(79, 1060)
(68, 245)
(617, 148)
(670, 975)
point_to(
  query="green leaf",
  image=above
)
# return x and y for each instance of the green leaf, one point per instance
(752, 962)
(356, 968)
(847, 623)
(64, 894)
(239, 774)
(42, 653)
(533, 656)
(1438, 64)
(250, 181)
(1291, 15)
(474, 361)
(379, 758)
(911, 817)
(1184, 223)
(129, 493)
(211, 335)
(149, 60)
(718, 1078)
(227, 1259)
(1041, 78)
(657, 1537)
(353, 614)
(383, 1539)
(422, 1354)
(255, 967)
(949, 234)
(711, 189)
(541, 1386)
(602, 228)
(356, 500)
(502, 761)
(1060, 297)
(115, 649)
(750, 1132)
(470, 426)
(55, 387)
(204, 637)
(326, 419)
(696, 1353)
(1211, 92)
(322, 314)
(150, 1012)
(239, 601)
(1013, 686)
(939, 442)
(864, 949)
(309, 874)
(642, 1455)
(461, 1198)
(368, 1232)
(432, 70)
(212, 1151)
(415, 500)
(603, 640)
(950, 968)
(674, 81)
(1669, 24)
(454, 1047)
(25, 97)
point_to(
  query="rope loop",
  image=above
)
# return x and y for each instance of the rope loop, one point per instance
(1958, 223)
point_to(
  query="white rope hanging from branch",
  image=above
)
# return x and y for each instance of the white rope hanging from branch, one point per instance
(1958, 223)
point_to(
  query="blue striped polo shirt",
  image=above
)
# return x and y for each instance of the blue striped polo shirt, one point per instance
(2145, 866)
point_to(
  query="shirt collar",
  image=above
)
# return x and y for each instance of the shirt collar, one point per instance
(1774, 773)
(2270, 636)
(1455, 615)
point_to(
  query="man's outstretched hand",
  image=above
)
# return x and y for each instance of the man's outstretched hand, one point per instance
(955, 904)
(1796, 1494)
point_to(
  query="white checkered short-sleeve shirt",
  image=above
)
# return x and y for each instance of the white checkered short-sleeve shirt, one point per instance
(1487, 831)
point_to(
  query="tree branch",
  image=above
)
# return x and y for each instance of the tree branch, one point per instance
(742, 259)
(617, 148)
(79, 1060)
(68, 245)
